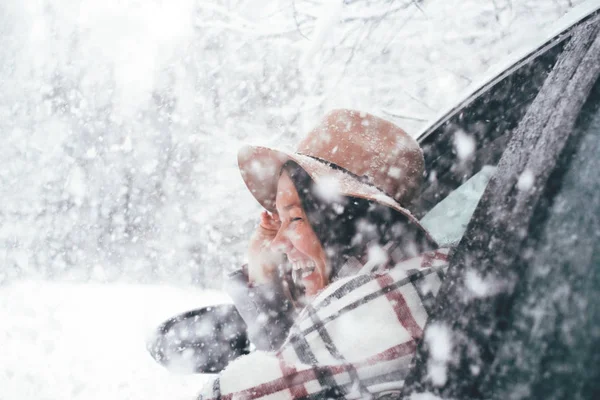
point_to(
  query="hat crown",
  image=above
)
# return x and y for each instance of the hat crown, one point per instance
(371, 147)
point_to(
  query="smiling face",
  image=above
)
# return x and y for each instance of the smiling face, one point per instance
(298, 240)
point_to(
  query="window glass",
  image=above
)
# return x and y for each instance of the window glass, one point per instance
(448, 220)
(477, 135)
(461, 154)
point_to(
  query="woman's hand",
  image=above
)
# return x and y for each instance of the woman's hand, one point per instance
(262, 259)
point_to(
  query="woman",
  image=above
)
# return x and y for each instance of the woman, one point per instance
(347, 323)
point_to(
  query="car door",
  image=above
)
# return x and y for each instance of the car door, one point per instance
(551, 348)
(527, 243)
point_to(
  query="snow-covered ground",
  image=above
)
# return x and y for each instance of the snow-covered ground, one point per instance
(87, 341)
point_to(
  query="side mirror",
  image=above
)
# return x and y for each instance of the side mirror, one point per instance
(204, 340)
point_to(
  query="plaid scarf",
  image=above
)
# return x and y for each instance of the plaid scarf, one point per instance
(356, 339)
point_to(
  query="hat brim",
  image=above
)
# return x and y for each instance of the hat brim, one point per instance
(260, 168)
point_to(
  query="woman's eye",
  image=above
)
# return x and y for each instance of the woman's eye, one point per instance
(296, 219)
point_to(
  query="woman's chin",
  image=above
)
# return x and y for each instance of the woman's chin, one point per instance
(313, 284)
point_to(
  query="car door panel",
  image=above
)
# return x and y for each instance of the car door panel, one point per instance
(552, 347)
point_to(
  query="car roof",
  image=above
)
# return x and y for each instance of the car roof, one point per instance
(547, 38)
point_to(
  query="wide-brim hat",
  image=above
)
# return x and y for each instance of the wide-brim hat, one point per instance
(350, 153)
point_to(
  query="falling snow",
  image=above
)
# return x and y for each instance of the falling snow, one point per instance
(439, 341)
(464, 144)
(328, 189)
(526, 180)
(479, 286)
(122, 202)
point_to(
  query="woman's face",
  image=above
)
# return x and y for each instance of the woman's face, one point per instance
(298, 240)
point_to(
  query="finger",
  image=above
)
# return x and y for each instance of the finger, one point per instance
(271, 215)
(272, 225)
(264, 217)
(267, 222)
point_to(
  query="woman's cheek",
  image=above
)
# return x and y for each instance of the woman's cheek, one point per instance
(301, 232)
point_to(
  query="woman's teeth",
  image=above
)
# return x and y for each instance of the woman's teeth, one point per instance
(304, 268)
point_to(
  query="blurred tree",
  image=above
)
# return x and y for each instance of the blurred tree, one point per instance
(120, 120)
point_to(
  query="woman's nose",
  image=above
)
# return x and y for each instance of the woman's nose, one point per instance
(281, 242)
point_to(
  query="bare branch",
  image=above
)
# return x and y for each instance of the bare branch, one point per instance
(376, 16)
(295, 12)
(404, 116)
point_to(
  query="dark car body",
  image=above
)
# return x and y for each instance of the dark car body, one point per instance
(531, 329)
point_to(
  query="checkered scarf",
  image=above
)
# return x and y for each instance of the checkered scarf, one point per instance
(354, 340)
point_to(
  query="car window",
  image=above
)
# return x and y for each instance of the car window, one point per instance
(447, 221)
(477, 135)
(460, 155)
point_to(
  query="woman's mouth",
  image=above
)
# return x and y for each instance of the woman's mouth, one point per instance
(303, 268)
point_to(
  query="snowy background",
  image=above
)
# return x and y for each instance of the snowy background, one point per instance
(120, 121)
